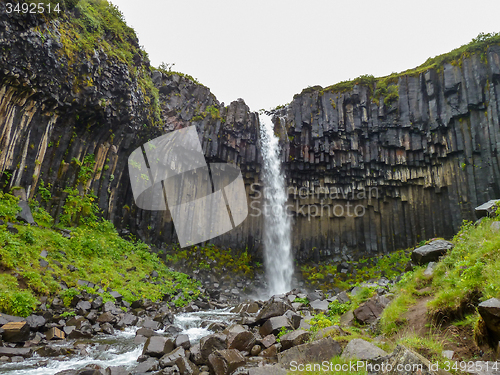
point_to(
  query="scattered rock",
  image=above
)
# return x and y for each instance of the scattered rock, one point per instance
(430, 252)
(225, 362)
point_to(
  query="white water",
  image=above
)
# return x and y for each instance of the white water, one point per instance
(277, 223)
(122, 350)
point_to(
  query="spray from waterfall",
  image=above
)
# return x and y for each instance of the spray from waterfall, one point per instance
(277, 223)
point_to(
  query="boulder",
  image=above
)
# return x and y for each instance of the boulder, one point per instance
(242, 341)
(35, 322)
(117, 370)
(158, 346)
(268, 340)
(347, 319)
(225, 362)
(274, 325)
(16, 352)
(363, 350)
(172, 356)
(25, 214)
(273, 307)
(16, 332)
(490, 312)
(370, 311)
(430, 252)
(149, 365)
(4, 319)
(312, 352)
(195, 355)
(294, 338)
(186, 367)
(106, 317)
(487, 209)
(182, 341)
(404, 361)
(209, 344)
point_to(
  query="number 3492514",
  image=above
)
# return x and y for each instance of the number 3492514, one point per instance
(33, 8)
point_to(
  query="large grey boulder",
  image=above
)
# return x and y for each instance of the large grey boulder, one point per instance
(157, 346)
(209, 344)
(490, 312)
(274, 325)
(319, 306)
(404, 361)
(369, 311)
(267, 370)
(430, 252)
(487, 209)
(363, 350)
(225, 362)
(170, 359)
(312, 352)
(274, 307)
(294, 338)
(243, 341)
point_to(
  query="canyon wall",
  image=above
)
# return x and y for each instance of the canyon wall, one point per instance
(368, 171)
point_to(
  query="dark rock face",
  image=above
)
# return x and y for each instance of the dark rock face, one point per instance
(365, 176)
(313, 352)
(430, 252)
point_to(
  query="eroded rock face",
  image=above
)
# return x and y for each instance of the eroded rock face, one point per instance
(359, 168)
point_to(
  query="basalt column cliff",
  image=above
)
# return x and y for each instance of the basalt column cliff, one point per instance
(372, 166)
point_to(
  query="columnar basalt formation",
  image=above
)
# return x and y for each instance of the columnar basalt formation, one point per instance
(369, 171)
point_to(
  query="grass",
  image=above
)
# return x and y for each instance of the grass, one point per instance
(99, 254)
(384, 86)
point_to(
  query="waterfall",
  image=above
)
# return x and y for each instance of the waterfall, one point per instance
(277, 223)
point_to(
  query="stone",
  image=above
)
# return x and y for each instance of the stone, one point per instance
(361, 349)
(83, 307)
(294, 338)
(225, 362)
(195, 354)
(4, 319)
(35, 322)
(490, 313)
(369, 311)
(16, 332)
(316, 351)
(268, 340)
(430, 252)
(429, 271)
(448, 354)
(117, 370)
(117, 296)
(314, 296)
(342, 297)
(319, 306)
(53, 351)
(158, 346)
(274, 325)
(487, 209)
(272, 308)
(186, 367)
(209, 344)
(55, 334)
(182, 341)
(347, 319)
(256, 349)
(25, 214)
(106, 317)
(16, 352)
(294, 318)
(127, 320)
(149, 365)
(169, 358)
(242, 341)
(270, 352)
(404, 361)
(97, 303)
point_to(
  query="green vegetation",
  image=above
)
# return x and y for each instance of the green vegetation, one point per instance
(380, 85)
(210, 257)
(95, 252)
(390, 266)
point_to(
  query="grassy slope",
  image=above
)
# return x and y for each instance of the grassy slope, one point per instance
(98, 253)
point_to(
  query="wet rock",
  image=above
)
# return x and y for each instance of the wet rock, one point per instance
(225, 362)
(274, 325)
(16, 332)
(151, 364)
(158, 346)
(107, 328)
(169, 358)
(273, 308)
(242, 341)
(294, 338)
(182, 341)
(117, 370)
(53, 351)
(186, 367)
(363, 350)
(490, 312)
(430, 252)
(209, 344)
(404, 361)
(316, 351)
(16, 352)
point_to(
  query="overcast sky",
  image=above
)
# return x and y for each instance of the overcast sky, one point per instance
(267, 51)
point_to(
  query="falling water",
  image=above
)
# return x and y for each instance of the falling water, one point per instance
(277, 225)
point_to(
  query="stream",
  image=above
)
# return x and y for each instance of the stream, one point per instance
(113, 350)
